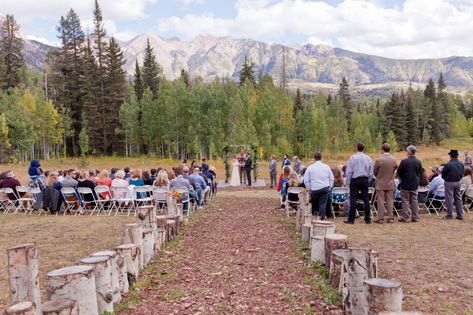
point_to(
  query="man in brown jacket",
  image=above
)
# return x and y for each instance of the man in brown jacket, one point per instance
(384, 169)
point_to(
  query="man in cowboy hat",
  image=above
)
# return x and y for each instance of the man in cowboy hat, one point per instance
(452, 173)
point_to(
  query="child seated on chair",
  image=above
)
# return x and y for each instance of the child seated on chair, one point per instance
(293, 199)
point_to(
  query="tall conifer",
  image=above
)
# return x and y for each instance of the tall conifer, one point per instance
(11, 45)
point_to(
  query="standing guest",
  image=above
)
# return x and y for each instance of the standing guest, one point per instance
(285, 161)
(273, 173)
(452, 174)
(184, 163)
(193, 164)
(359, 172)
(318, 179)
(147, 178)
(467, 179)
(248, 164)
(153, 174)
(410, 173)
(297, 164)
(467, 161)
(384, 169)
(34, 171)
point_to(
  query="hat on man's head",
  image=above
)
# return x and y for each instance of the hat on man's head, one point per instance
(453, 153)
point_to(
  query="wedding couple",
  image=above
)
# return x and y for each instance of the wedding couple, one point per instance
(242, 162)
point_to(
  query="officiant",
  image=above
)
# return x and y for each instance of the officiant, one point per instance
(248, 164)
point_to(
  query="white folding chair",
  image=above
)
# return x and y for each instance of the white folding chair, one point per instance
(71, 198)
(142, 196)
(87, 193)
(8, 204)
(437, 203)
(104, 199)
(424, 190)
(468, 197)
(123, 199)
(160, 197)
(185, 198)
(293, 204)
(23, 203)
(339, 191)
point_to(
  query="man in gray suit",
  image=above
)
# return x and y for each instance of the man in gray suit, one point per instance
(384, 169)
(180, 181)
(273, 171)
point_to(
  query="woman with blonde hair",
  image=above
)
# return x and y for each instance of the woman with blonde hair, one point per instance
(294, 181)
(104, 179)
(162, 180)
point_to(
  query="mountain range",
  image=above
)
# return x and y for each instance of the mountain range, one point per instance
(308, 67)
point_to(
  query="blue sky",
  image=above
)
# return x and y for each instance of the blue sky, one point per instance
(391, 28)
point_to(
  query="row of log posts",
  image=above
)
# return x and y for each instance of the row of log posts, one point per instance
(353, 271)
(98, 284)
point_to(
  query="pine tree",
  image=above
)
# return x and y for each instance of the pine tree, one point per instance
(247, 72)
(151, 71)
(396, 115)
(11, 45)
(138, 82)
(413, 136)
(345, 97)
(185, 78)
(115, 92)
(297, 112)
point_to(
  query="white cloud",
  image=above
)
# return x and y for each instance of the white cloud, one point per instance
(187, 2)
(417, 29)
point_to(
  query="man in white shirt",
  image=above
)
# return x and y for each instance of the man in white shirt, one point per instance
(318, 178)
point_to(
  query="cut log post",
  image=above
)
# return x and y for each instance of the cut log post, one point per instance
(148, 246)
(358, 266)
(317, 249)
(77, 282)
(114, 273)
(133, 234)
(60, 307)
(299, 219)
(122, 274)
(147, 219)
(336, 260)
(161, 222)
(308, 218)
(333, 242)
(103, 281)
(306, 232)
(130, 255)
(384, 295)
(170, 229)
(21, 308)
(322, 228)
(24, 274)
(177, 222)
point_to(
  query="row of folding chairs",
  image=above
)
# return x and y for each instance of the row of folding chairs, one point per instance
(23, 202)
(437, 203)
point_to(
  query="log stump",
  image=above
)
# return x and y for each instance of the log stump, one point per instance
(170, 230)
(161, 238)
(103, 281)
(336, 261)
(21, 308)
(299, 219)
(148, 246)
(317, 249)
(77, 282)
(147, 219)
(122, 274)
(60, 307)
(24, 274)
(130, 254)
(358, 266)
(383, 295)
(114, 273)
(306, 228)
(323, 228)
(133, 234)
(333, 242)
(307, 218)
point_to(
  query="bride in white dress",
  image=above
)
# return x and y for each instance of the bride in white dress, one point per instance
(235, 179)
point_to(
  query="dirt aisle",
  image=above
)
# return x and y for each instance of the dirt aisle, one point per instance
(238, 256)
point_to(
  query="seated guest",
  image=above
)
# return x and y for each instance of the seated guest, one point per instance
(9, 181)
(153, 174)
(87, 180)
(162, 181)
(424, 181)
(136, 180)
(103, 178)
(69, 180)
(435, 185)
(466, 181)
(210, 176)
(185, 174)
(120, 181)
(127, 173)
(60, 177)
(113, 171)
(52, 198)
(338, 198)
(294, 181)
(180, 181)
(147, 178)
(435, 172)
(34, 171)
(201, 186)
(204, 164)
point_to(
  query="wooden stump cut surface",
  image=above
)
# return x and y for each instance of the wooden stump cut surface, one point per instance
(60, 307)
(384, 295)
(334, 242)
(21, 308)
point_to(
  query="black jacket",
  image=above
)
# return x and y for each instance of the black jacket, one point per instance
(410, 172)
(248, 164)
(453, 171)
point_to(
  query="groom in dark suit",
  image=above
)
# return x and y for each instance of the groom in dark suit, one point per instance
(248, 168)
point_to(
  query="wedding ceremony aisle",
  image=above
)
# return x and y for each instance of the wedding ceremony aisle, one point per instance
(236, 256)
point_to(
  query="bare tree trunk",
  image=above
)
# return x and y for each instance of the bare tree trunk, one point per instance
(60, 307)
(21, 308)
(24, 274)
(384, 295)
(77, 282)
(114, 273)
(103, 282)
